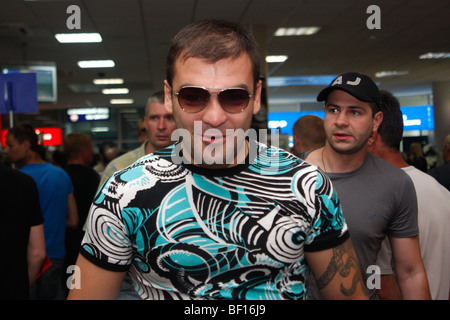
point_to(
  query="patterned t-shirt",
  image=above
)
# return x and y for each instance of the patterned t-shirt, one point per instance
(186, 232)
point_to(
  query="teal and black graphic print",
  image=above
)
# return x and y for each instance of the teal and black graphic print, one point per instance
(187, 232)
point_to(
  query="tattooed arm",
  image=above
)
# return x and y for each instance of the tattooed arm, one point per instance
(337, 272)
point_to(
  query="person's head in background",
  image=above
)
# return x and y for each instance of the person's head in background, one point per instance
(159, 123)
(22, 145)
(309, 134)
(78, 148)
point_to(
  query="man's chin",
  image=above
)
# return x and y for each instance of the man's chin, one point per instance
(346, 148)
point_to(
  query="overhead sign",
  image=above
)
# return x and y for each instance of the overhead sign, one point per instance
(88, 114)
(18, 93)
(418, 118)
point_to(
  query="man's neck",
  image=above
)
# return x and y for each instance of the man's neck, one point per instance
(149, 148)
(393, 157)
(34, 158)
(341, 162)
(331, 161)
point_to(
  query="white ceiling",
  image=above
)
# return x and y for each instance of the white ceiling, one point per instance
(136, 35)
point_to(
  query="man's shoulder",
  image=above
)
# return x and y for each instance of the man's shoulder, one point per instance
(125, 159)
(15, 177)
(384, 167)
(423, 180)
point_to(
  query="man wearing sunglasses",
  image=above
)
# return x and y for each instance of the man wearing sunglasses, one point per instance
(216, 225)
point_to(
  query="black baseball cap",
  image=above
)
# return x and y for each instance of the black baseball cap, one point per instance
(358, 85)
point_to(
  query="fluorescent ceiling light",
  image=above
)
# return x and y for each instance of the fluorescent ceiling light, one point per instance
(302, 31)
(78, 37)
(100, 129)
(435, 55)
(121, 101)
(108, 81)
(383, 74)
(274, 59)
(115, 91)
(96, 64)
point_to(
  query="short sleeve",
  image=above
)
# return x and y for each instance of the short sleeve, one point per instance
(404, 222)
(106, 242)
(328, 226)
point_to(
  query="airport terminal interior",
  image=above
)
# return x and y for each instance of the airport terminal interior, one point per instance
(403, 45)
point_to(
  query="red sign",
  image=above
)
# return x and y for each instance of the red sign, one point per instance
(50, 136)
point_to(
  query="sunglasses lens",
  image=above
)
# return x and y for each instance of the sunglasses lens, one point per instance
(193, 99)
(234, 100)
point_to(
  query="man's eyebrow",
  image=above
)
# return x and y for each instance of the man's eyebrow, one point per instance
(338, 106)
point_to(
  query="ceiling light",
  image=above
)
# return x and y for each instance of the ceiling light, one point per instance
(275, 59)
(121, 101)
(435, 55)
(115, 91)
(303, 31)
(96, 64)
(383, 74)
(108, 81)
(100, 129)
(78, 37)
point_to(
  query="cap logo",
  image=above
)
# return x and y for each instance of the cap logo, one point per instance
(351, 83)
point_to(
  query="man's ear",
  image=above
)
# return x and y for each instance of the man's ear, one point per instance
(373, 138)
(257, 98)
(377, 119)
(27, 144)
(168, 102)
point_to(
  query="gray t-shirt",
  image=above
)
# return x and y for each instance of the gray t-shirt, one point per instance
(377, 199)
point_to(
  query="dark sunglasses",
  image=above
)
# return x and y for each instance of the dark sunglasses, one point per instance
(195, 99)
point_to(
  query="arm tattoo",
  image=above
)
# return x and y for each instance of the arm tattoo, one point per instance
(337, 264)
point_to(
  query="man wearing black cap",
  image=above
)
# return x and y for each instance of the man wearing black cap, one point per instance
(377, 199)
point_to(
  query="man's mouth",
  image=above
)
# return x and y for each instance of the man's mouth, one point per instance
(341, 136)
(162, 137)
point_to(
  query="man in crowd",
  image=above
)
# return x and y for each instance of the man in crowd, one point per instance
(378, 199)
(309, 134)
(158, 125)
(21, 232)
(434, 209)
(79, 154)
(57, 203)
(198, 221)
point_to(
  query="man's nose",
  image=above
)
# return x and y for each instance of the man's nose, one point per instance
(341, 119)
(162, 123)
(214, 114)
